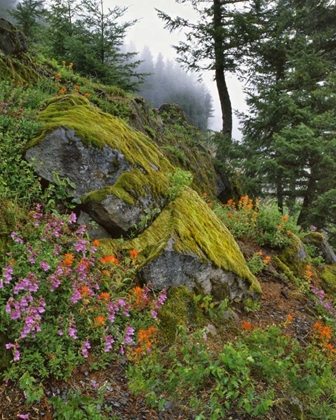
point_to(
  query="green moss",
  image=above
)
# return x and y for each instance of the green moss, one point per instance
(195, 230)
(98, 129)
(19, 70)
(314, 238)
(180, 308)
(285, 269)
(132, 185)
(328, 277)
(290, 257)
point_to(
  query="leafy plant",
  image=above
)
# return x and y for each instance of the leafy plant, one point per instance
(178, 180)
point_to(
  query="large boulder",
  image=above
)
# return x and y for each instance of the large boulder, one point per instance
(12, 41)
(119, 174)
(321, 247)
(187, 245)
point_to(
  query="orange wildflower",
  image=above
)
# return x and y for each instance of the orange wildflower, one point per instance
(106, 272)
(230, 215)
(289, 232)
(109, 259)
(205, 194)
(96, 242)
(134, 253)
(255, 214)
(58, 76)
(86, 95)
(259, 252)
(285, 218)
(99, 320)
(77, 87)
(246, 326)
(68, 260)
(267, 259)
(145, 337)
(279, 227)
(289, 319)
(330, 348)
(84, 291)
(137, 295)
(104, 296)
(70, 66)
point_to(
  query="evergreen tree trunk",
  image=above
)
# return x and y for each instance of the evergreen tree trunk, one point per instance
(222, 89)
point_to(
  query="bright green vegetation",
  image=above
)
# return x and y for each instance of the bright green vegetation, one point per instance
(258, 373)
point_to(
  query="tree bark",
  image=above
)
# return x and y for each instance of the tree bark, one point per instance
(223, 93)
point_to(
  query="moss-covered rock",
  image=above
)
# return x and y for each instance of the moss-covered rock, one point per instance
(188, 245)
(328, 277)
(180, 308)
(295, 257)
(321, 246)
(118, 172)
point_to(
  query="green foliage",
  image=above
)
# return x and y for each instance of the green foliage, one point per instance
(260, 221)
(247, 375)
(18, 110)
(177, 152)
(177, 181)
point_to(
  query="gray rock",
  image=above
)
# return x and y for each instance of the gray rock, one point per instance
(171, 268)
(94, 230)
(12, 41)
(89, 168)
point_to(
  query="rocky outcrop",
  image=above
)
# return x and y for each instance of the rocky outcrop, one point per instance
(188, 246)
(12, 41)
(122, 180)
(118, 173)
(322, 247)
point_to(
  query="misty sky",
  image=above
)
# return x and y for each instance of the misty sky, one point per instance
(149, 31)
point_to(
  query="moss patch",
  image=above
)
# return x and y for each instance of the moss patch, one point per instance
(195, 231)
(21, 70)
(328, 277)
(290, 257)
(180, 308)
(98, 129)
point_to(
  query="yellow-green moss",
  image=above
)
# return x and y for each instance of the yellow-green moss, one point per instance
(328, 277)
(285, 269)
(180, 308)
(98, 129)
(195, 230)
(314, 238)
(290, 257)
(132, 185)
(19, 70)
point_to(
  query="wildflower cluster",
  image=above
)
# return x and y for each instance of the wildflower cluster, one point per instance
(146, 340)
(249, 218)
(323, 300)
(53, 288)
(321, 336)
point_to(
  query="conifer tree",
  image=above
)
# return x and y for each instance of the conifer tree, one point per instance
(289, 135)
(27, 15)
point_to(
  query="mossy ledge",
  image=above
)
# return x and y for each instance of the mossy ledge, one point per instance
(98, 129)
(190, 227)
